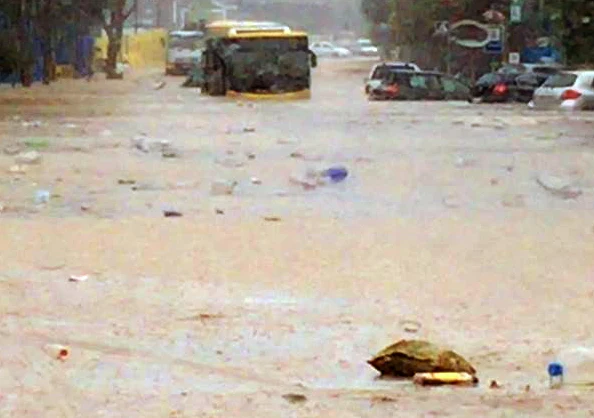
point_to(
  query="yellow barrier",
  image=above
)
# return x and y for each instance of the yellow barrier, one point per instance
(140, 50)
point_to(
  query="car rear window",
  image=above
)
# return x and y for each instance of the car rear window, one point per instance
(560, 80)
(545, 70)
(489, 78)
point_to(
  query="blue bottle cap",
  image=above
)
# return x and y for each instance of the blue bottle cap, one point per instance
(555, 369)
(336, 174)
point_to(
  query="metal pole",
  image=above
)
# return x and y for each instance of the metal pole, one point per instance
(136, 16)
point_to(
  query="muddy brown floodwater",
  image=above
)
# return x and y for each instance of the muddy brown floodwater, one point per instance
(277, 290)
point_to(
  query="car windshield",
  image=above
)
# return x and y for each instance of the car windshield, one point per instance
(415, 80)
(560, 80)
(488, 78)
(184, 42)
(383, 71)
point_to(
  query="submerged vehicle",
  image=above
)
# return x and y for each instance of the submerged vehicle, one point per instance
(256, 59)
(184, 49)
(419, 85)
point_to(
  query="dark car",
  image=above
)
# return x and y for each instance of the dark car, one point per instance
(420, 85)
(496, 87)
(513, 82)
(528, 82)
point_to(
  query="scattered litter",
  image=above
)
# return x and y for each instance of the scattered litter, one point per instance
(29, 157)
(558, 187)
(42, 196)
(12, 149)
(230, 162)
(172, 214)
(160, 84)
(32, 124)
(255, 180)
(222, 187)
(17, 169)
(410, 325)
(167, 150)
(126, 181)
(462, 162)
(494, 385)
(309, 180)
(250, 155)
(249, 129)
(295, 398)
(408, 357)
(78, 278)
(52, 266)
(494, 181)
(335, 174)
(70, 126)
(57, 351)
(85, 207)
(451, 201)
(272, 219)
(219, 211)
(141, 143)
(36, 143)
(300, 155)
(514, 201)
(445, 378)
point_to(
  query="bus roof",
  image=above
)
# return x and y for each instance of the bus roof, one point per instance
(186, 33)
(241, 23)
(266, 34)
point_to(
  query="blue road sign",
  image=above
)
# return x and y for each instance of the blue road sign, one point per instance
(494, 47)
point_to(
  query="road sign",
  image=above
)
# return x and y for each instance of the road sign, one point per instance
(515, 11)
(494, 47)
(514, 58)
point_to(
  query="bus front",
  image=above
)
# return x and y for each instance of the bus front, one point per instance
(268, 63)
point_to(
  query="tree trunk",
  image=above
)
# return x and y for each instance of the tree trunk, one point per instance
(113, 50)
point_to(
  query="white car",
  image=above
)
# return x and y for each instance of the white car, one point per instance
(570, 90)
(365, 47)
(380, 71)
(327, 49)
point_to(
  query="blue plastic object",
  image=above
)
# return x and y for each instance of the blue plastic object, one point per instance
(336, 174)
(555, 369)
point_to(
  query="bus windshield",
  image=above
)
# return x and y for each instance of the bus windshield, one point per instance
(278, 45)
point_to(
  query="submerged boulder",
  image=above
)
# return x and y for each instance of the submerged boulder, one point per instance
(407, 357)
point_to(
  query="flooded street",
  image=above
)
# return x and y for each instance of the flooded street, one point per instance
(451, 215)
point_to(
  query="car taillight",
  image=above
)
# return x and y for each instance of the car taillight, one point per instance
(500, 89)
(570, 95)
(393, 89)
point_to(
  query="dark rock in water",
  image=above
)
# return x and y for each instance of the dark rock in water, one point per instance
(172, 214)
(407, 357)
(295, 398)
(558, 187)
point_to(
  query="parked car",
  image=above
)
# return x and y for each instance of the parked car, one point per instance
(570, 90)
(496, 87)
(380, 71)
(420, 85)
(365, 48)
(327, 49)
(513, 82)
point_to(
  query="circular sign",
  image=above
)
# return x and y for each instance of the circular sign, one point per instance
(470, 33)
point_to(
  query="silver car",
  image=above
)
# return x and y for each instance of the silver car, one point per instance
(570, 90)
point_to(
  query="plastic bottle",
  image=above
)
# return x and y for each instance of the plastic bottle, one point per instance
(573, 366)
(336, 173)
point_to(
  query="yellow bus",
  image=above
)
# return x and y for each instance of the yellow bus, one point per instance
(256, 60)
